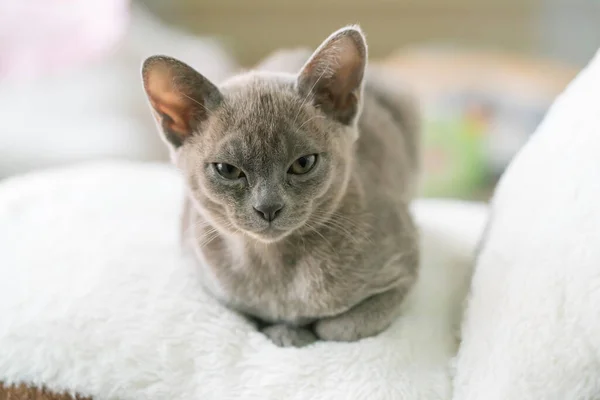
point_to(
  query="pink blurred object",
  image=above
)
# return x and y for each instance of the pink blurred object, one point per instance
(39, 37)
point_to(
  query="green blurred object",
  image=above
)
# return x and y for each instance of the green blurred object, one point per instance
(454, 160)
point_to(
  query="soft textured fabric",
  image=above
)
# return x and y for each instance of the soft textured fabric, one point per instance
(97, 297)
(532, 330)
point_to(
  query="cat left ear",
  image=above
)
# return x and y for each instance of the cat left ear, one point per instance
(333, 76)
(181, 98)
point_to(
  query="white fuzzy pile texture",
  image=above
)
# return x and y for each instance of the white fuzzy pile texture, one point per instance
(532, 330)
(96, 297)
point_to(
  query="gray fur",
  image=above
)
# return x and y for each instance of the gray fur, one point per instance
(341, 255)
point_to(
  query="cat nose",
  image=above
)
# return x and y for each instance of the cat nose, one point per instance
(268, 211)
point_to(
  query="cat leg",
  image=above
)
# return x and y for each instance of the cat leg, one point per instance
(368, 318)
(289, 336)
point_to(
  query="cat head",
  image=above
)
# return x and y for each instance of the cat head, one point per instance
(264, 154)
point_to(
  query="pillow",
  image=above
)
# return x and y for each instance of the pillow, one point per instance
(96, 297)
(532, 329)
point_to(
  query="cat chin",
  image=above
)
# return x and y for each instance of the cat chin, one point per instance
(269, 235)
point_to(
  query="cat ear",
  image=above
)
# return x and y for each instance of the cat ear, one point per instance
(333, 76)
(181, 98)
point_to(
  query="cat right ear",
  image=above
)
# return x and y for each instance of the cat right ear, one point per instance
(181, 98)
(333, 76)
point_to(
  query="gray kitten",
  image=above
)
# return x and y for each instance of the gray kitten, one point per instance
(298, 188)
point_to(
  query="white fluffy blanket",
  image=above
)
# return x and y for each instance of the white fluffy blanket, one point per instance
(96, 297)
(532, 330)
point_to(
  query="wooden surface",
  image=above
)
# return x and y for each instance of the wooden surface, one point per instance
(432, 72)
(23, 392)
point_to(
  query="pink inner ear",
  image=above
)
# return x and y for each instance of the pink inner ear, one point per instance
(349, 75)
(338, 67)
(335, 74)
(173, 108)
(176, 108)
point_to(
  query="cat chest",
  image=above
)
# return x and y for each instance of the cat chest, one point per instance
(294, 290)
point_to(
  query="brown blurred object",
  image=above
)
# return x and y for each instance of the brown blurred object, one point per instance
(24, 392)
(480, 107)
(255, 28)
(433, 71)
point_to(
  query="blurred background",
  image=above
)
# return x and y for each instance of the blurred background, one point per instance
(485, 71)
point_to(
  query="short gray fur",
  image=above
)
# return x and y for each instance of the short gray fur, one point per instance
(339, 258)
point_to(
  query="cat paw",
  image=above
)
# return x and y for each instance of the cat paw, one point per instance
(289, 336)
(343, 329)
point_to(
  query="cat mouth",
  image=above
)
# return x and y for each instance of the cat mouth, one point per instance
(270, 234)
(273, 233)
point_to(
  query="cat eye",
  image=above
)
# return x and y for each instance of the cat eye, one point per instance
(303, 165)
(229, 171)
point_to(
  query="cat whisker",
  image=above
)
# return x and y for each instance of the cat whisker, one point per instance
(198, 224)
(308, 94)
(344, 231)
(198, 103)
(308, 120)
(208, 241)
(174, 83)
(315, 230)
(339, 228)
(346, 218)
(352, 232)
(206, 238)
(201, 222)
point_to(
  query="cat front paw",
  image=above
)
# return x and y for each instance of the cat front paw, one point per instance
(289, 336)
(345, 328)
(369, 318)
(338, 329)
